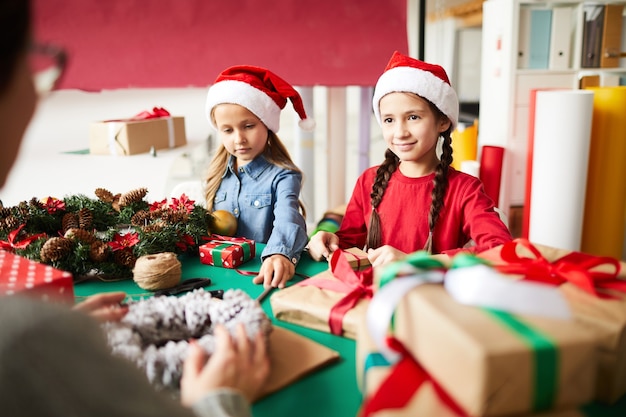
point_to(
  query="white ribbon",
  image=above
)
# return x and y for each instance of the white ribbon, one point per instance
(384, 303)
(113, 129)
(482, 286)
(170, 132)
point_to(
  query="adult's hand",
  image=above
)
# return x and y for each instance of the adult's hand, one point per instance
(275, 271)
(104, 306)
(237, 363)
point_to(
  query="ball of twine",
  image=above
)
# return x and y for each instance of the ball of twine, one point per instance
(158, 271)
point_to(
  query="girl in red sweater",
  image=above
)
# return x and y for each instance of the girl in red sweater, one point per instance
(415, 200)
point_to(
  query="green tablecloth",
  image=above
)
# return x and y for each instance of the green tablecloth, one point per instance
(329, 392)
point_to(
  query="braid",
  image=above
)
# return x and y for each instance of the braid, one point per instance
(383, 174)
(440, 186)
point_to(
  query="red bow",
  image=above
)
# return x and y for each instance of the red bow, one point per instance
(154, 114)
(576, 268)
(10, 244)
(226, 239)
(356, 285)
(405, 379)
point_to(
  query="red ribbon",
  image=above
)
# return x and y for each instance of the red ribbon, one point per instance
(405, 379)
(226, 239)
(11, 244)
(356, 286)
(576, 268)
(156, 113)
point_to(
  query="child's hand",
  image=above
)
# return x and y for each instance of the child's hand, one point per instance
(275, 272)
(322, 244)
(237, 363)
(384, 255)
(104, 306)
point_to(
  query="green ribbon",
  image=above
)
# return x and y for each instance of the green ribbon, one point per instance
(545, 355)
(217, 250)
(372, 360)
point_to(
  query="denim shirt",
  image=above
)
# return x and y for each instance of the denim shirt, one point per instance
(264, 199)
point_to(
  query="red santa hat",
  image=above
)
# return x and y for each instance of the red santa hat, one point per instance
(410, 75)
(259, 90)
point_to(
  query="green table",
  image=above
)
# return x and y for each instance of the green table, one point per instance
(329, 392)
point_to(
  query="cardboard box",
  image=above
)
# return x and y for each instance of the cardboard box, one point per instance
(130, 137)
(227, 252)
(603, 317)
(332, 301)
(489, 362)
(19, 275)
(378, 381)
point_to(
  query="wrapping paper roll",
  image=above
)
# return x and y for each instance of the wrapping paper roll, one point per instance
(559, 167)
(490, 172)
(603, 227)
(464, 143)
(471, 167)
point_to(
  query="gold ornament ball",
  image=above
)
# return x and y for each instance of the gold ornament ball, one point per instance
(223, 223)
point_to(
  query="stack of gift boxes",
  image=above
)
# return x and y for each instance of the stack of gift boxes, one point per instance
(549, 339)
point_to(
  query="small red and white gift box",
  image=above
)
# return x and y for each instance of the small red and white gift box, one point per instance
(227, 252)
(19, 275)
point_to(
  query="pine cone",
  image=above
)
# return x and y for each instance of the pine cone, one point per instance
(141, 218)
(34, 202)
(85, 218)
(11, 222)
(153, 228)
(98, 251)
(54, 249)
(69, 221)
(173, 217)
(80, 234)
(23, 210)
(104, 195)
(125, 257)
(133, 196)
(5, 212)
(116, 202)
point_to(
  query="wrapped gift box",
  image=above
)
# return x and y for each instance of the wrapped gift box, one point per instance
(19, 275)
(332, 301)
(604, 317)
(378, 381)
(130, 137)
(486, 360)
(357, 258)
(227, 252)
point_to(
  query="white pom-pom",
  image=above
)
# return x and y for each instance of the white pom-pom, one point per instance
(307, 125)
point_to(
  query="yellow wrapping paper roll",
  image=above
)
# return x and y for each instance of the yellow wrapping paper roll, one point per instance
(603, 225)
(464, 142)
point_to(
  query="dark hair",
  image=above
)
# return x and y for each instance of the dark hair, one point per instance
(14, 38)
(389, 166)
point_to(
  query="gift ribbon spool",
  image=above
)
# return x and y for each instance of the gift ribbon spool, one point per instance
(158, 271)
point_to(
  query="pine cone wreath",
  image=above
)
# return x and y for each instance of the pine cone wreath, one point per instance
(55, 248)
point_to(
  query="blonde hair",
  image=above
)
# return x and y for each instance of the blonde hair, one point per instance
(275, 153)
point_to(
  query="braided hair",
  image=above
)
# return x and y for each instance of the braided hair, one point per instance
(440, 181)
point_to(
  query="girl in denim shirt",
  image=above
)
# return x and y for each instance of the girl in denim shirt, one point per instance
(252, 174)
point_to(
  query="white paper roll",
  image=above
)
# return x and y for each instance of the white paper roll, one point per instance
(559, 167)
(470, 167)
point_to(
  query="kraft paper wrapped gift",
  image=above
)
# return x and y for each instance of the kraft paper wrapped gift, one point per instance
(227, 252)
(602, 316)
(22, 276)
(331, 301)
(137, 134)
(406, 389)
(357, 258)
(489, 361)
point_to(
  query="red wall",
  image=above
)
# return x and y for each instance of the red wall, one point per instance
(178, 43)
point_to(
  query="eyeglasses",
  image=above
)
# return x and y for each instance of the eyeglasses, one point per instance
(47, 63)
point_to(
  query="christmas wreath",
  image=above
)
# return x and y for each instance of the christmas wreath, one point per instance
(102, 237)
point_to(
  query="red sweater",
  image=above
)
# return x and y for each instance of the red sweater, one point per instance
(468, 213)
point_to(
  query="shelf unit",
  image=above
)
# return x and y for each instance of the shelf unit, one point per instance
(506, 83)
